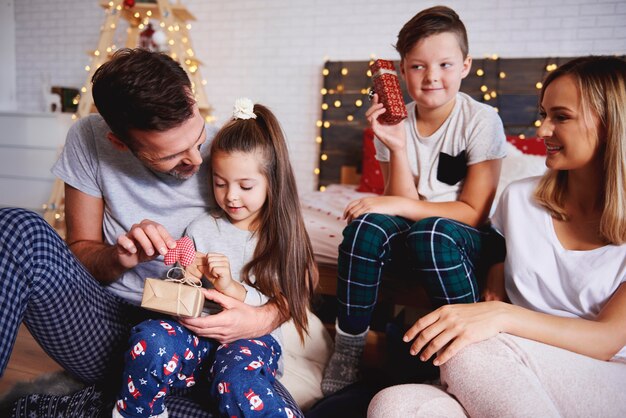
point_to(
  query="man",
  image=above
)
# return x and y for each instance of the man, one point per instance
(140, 158)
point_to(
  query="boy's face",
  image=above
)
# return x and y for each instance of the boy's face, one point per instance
(433, 70)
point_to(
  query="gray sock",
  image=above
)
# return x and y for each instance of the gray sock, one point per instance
(343, 366)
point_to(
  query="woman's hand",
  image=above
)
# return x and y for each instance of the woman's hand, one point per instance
(393, 136)
(448, 329)
(236, 321)
(388, 205)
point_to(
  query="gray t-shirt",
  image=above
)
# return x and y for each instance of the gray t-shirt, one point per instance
(219, 235)
(472, 128)
(131, 193)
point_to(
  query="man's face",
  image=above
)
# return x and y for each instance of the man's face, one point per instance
(176, 151)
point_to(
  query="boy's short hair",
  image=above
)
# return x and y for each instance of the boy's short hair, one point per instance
(431, 21)
(143, 90)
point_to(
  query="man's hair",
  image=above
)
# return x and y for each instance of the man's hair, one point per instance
(143, 90)
(432, 21)
(601, 83)
(283, 263)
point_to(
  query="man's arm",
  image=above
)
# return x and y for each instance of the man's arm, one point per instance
(83, 217)
(236, 321)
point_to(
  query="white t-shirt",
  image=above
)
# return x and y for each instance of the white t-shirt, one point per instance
(542, 275)
(131, 193)
(472, 127)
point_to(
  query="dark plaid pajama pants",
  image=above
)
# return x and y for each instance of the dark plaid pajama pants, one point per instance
(76, 321)
(440, 253)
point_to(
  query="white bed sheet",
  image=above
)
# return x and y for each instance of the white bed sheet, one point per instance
(323, 210)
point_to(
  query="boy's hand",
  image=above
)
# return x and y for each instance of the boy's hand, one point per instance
(494, 287)
(387, 205)
(393, 136)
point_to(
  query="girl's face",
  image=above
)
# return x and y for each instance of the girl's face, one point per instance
(570, 135)
(239, 186)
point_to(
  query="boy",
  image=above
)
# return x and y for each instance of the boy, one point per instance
(441, 168)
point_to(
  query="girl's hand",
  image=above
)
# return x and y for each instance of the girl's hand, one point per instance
(218, 271)
(448, 329)
(198, 268)
(388, 205)
(393, 136)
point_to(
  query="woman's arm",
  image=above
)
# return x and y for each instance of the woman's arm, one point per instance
(448, 329)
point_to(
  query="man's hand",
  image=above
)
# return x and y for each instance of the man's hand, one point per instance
(393, 136)
(388, 205)
(144, 242)
(236, 321)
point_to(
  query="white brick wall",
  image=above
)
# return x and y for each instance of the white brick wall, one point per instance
(273, 51)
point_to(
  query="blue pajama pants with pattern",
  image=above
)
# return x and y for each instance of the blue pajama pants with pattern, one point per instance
(77, 322)
(166, 355)
(440, 253)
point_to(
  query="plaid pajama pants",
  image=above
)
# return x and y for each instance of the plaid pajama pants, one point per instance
(76, 321)
(441, 253)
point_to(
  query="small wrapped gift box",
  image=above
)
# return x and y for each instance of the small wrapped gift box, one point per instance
(172, 297)
(387, 86)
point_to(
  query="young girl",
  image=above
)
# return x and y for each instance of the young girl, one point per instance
(441, 169)
(257, 250)
(560, 348)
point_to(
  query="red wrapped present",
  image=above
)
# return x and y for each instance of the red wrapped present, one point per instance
(387, 86)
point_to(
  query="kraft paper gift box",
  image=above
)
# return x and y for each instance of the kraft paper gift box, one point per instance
(172, 297)
(387, 86)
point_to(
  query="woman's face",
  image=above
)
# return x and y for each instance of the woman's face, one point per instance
(570, 134)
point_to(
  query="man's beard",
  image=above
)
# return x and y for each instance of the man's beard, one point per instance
(183, 174)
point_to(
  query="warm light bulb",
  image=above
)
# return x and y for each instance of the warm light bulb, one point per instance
(322, 188)
(149, 12)
(337, 103)
(537, 123)
(358, 103)
(319, 123)
(493, 94)
(521, 136)
(136, 15)
(494, 57)
(369, 73)
(539, 85)
(324, 157)
(188, 26)
(324, 106)
(350, 118)
(323, 91)
(96, 53)
(480, 72)
(325, 72)
(483, 88)
(84, 89)
(344, 71)
(502, 74)
(316, 171)
(487, 97)
(318, 139)
(327, 124)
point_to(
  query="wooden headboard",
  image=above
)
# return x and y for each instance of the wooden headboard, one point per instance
(509, 84)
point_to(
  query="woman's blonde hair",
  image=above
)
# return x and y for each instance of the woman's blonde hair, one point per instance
(601, 84)
(282, 264)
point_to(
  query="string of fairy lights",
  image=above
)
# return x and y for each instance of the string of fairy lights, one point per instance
(490, 95)
(176, 42)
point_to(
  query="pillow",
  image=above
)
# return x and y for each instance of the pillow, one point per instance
(371, 177)
(305, 364)
(531, 146)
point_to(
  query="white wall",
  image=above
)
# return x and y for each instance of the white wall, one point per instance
(7, 52)
(273, 51)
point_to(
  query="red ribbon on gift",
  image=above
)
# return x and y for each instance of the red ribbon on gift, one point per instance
(185, 252)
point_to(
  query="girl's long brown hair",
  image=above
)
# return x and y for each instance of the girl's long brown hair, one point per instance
(282, 264)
